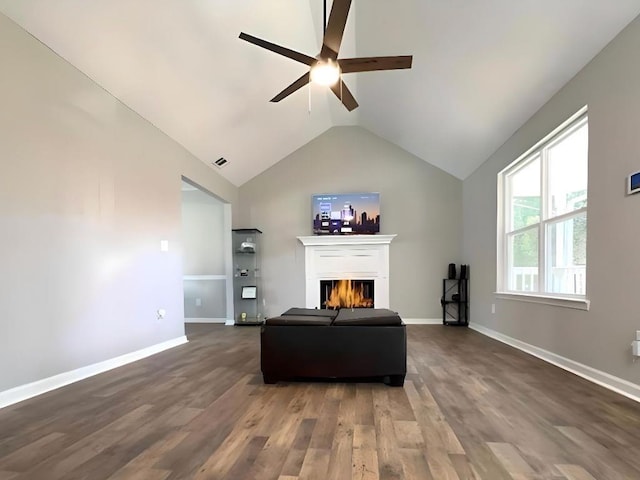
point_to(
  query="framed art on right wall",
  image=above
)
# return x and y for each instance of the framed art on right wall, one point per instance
(633, 183)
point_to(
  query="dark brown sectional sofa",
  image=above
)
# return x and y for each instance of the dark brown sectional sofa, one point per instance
(350, 343)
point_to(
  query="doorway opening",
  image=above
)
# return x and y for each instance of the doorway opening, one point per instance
(206, 240)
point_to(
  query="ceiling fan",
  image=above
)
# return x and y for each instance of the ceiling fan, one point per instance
(326, 68)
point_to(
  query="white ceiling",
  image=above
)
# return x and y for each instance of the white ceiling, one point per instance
(481, 68)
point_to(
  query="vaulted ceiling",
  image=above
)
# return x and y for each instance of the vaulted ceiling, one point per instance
(481, 68)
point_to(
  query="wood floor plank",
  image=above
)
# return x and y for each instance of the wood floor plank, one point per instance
(408, 434)
(322, 437)
(414, 464)
(145, 462)
(32, 453)
(339, 467)
(440, 465)
(272, 459)
(471, 409)
(315, 464)
(244, 432)
(463, 467)
(365, 464)
(399, 405)
(137, 472)
(364, 436)
(364, 407)
(245, 461)
(600, 460)
(61, 464)
(512, 461)
(295, 457)
(389, 464)
(438, 439)
(575, 472)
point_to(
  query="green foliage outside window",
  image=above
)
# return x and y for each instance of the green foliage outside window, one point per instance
(526, 211)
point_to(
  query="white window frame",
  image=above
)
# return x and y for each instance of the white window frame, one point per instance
(504, 214)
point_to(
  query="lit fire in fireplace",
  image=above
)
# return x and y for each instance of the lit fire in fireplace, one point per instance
(345, 294)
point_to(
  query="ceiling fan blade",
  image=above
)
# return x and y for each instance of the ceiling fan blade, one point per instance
(286, 52)
(299, 83)
(370, 64)
(335, 29)
(345, 95)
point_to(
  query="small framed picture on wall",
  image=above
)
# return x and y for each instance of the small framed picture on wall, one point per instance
(633, 183)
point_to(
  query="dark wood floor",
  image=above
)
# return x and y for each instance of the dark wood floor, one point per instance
(471, 408)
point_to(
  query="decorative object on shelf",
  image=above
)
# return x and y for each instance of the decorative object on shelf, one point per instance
(249, 292)
(452, 271)
(247, 247)
(464, 272)
(247, 301)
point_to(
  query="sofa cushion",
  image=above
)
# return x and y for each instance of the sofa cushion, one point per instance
(299, 320)
(313, 312)
(367, 316)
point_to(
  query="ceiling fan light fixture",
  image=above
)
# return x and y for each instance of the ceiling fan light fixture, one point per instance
(325, 72)
(325, 69)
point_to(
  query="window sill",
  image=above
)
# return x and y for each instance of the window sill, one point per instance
(566, 302)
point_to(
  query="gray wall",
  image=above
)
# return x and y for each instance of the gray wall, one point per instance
(88, 190)
(419, 203)
(601, 337)
(203, 234)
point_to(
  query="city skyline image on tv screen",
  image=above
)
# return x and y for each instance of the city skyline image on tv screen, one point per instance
(346, 213)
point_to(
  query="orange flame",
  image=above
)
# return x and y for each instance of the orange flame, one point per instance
(345, 295)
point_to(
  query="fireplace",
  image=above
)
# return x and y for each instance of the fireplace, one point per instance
(346, 293)
(330, 258)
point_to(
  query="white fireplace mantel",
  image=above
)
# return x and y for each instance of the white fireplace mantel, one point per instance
(353, 257)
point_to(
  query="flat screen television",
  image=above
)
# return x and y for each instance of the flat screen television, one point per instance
(346, 213)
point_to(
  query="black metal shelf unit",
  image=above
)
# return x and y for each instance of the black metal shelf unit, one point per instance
(455, 301)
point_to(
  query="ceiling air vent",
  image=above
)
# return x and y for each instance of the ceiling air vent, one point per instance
(221, 162)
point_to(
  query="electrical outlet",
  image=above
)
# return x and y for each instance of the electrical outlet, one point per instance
(198, 302)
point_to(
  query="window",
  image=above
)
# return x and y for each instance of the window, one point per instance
(542, 216)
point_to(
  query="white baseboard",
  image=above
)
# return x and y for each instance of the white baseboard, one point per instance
(29, 390)
(606, 380)
(422, 321)
(229, 322)
(205, 320)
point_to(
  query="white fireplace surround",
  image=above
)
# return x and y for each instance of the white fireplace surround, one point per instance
(349, 257)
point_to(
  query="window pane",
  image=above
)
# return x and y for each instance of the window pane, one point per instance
(567, 163)
(523, 261)
(524, 190)
(567, 255)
